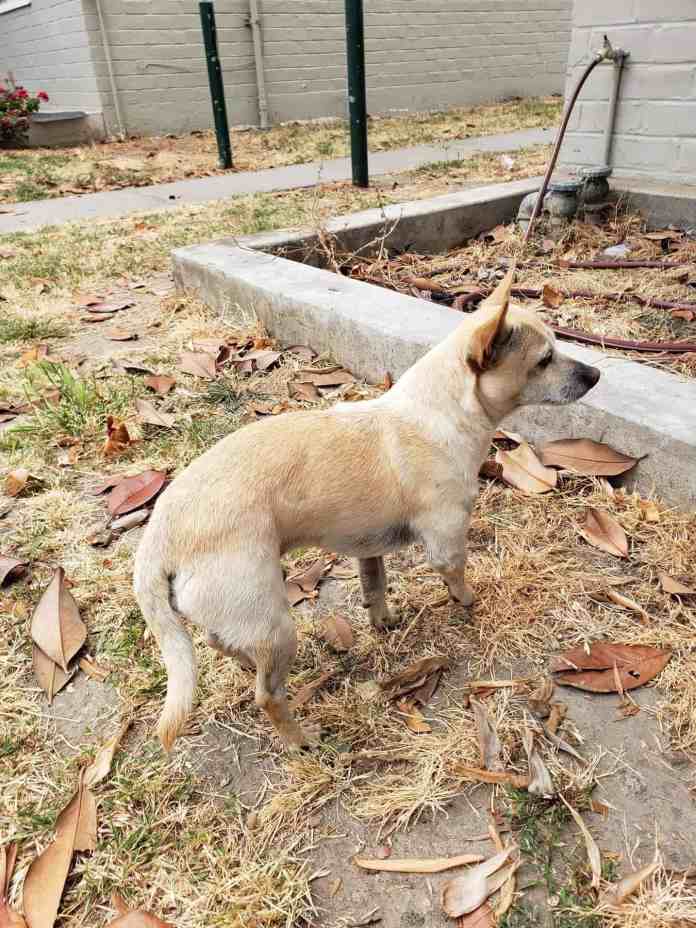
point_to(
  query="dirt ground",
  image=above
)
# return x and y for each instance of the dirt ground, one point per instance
(228, 830)
(30, 174)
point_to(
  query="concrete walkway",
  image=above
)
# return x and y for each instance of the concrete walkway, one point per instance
(24, 217)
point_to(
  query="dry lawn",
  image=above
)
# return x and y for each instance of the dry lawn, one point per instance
(31, 174)
(200, 855)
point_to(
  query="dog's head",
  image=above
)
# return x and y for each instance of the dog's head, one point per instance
(515, 358)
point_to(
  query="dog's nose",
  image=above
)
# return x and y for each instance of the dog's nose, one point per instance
(589, 375)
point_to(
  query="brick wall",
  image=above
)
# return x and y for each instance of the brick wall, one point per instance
(656, 116)
(45, 45)
(419, 55)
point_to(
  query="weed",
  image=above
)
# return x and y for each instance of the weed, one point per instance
(16, 329)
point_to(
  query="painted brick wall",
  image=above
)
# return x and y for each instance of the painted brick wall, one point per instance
(46, 47)
(419, 55)
(656, 116)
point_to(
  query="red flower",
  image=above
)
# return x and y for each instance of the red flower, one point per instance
(42, 95)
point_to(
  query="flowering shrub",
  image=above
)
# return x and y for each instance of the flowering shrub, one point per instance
(16, 104)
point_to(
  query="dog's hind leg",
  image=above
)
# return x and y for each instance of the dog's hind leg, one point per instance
(274, 656)
(373, 580)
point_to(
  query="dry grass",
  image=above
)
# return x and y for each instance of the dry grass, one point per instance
(579, 242)
(176, 841)
(28, 174)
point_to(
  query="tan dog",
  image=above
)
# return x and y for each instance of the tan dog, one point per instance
(360, 479)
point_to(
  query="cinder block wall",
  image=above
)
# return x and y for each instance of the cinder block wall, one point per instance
(45, 45)
(419, 56)
(656, 117)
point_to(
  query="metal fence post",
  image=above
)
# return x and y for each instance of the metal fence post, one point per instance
(357, 102)
(217, 89)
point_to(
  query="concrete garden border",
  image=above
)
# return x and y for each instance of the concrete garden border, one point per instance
(637, 408)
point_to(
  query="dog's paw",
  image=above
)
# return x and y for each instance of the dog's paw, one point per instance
(310, 738)
(463, 595)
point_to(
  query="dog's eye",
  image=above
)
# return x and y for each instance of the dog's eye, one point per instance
(546, 360)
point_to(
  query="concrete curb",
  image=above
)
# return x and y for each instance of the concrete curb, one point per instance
(638, 409)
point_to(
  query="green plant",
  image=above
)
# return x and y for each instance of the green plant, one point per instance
(16, 106)
(15, 329)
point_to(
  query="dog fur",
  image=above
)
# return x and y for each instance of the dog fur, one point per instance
(360, 479)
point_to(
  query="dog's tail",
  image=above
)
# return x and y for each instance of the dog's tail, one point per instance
(152, 591)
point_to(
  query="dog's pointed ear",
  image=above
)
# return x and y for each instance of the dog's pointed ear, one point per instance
(493, 311)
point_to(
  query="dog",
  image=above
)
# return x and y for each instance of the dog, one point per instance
(360, 479)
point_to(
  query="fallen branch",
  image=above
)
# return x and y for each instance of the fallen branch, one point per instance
(604, 265)
(626, 344)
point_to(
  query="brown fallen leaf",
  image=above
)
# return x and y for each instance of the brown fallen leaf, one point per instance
(337, 633)
(523, 469)
(465, 893)
(491, 470)
(122, 335)
(107, 484)
(417, 864)
(594, 670)
(134, 918)
(509, 777)
(687, 314)
(117, 438)
(308, 578)
(593, 854)
(16, 481)
(540, 782)
(84, 806)
(56, 626)
(45, 879)
(626, 603)
(133, 492)
(198, 365)
(414, 676)
(150, 415)
(489, 744)
(539, 701)
(129, 521)
(617, 893)
(551, 296)
(302, 352)
(648, 510)
(480, 918)
(160, 383)
(587, 457)
(603, 531)
(675, 587)
(263, 358)
(49, 675)
(556, 715)
(304, 391)
(323, 379)
(101, 765)
(112, 306)
(93, 670)
(11, 568)
(8, 917)
(305, 693)
(413, 717)
(296, 594)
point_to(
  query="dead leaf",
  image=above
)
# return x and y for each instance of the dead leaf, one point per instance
(16, 481)
(480, 918)
(413, 717)
(323, 379)
(675, 587)
(467, 892)
(113, 306)
(556, 716)
(617, 893)
(305, 693)
(593, 854)
(122, 335)
(539, 701)
(523, 469)
(490, 470)
(308, 579)
(414, 676)
(8, 917)
(84, 806)
(417, 864)
(551, 296)
(688, 314)
(304, 391)
(56, 626)
(509, 777)
(101, 765)
(45, 879)
(334, 886)
(302, 352)
(117, 438)
(160, 383)
(129, 521)
(107, 484)
(603, 531)
(587, 457)
(93, 670)
(133, 492)
(11, 568)
(198, 365)
(627, 603)
(296, 594)
(594, 670)
(150, 415)
(134, 918)
(371, 918)
(37, 353)
(489, 745)
(663, 235)
(263, 358)
(337, 633)
(540, 782)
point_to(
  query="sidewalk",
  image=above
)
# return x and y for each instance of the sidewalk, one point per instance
(24, 217)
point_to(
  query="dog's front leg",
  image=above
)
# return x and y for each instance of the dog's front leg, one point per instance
(373, 580)
(445, 541)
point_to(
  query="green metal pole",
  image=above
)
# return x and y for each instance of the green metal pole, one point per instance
(357, 101)
(217, 89)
